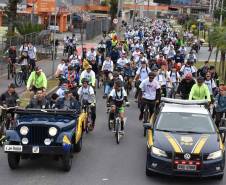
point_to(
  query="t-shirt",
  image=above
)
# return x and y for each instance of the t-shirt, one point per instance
(187, 69)
(143, 73)
(122, 62)
(149, 89)
(107, 66)
(174, 76)
(119, 95)
(211, 85)
(86, 93)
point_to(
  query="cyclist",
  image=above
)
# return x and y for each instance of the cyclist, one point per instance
(211, 85)
(12, 57)
(87, 96)
(122, 61)
(9, 99)
(185, 86)
(150, 94)
(91, 55)
(32, 55)
(37, 80)
(200, 91)
(116, 98)
(220, 104)
(39, 101)
(174, 79)
(90, 75)
(187, 68)
(141, 74)
(75, 60)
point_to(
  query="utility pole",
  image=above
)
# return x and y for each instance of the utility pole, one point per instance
(135, 4)
(221, 16)
(54, 41)
(32, 11)
(148, 8)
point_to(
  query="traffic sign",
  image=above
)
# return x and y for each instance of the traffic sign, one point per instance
(115, 21)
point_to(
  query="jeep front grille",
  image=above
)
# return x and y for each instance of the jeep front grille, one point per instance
(37, 134)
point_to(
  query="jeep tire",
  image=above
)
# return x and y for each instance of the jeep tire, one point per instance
(13, 160)
(67, 161)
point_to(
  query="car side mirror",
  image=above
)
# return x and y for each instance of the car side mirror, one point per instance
(148, 126)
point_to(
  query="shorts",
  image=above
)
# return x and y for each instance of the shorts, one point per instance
(121, 109)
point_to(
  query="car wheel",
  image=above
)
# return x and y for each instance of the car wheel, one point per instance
(13, 160)
(78, 146)
(67, 162)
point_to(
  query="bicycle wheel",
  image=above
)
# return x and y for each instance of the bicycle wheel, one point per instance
(110, 122)
(19, 79)
(117, 135)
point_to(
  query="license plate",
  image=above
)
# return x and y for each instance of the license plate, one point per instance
(183, 167)
(35, 149)
(13, 148)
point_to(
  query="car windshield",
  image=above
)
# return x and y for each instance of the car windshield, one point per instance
(185, 122)
(40, 117)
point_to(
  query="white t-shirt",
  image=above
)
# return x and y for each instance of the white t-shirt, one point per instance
(89, 76)
(174, 76)
(210, 84)
(136, 56)
(60, 92)
(187, 69)
(32, 52)
(161, 78)
(75, 59)
(108, 66)
(149, 89)
(85, 93)
(119, 96)
(143, 73)
(122, 62)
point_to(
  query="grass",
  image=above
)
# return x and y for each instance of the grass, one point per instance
(25, 98)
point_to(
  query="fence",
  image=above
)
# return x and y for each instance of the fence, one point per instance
(97, 27)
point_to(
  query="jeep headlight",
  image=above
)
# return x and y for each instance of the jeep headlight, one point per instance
(24, 130)
(158, 152)
(215, 155)
(52, 131)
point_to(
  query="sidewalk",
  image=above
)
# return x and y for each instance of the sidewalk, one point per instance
(46, 65)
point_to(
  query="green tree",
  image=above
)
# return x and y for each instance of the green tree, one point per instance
(11, 14)
(217, 39)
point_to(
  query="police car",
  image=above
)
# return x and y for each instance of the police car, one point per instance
(184, 141)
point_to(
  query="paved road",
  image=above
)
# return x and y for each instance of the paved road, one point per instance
(101, 161)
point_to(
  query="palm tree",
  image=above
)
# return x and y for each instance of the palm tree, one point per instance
(11, 13)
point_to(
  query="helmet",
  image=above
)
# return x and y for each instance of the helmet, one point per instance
(188, 76)
(85, 80)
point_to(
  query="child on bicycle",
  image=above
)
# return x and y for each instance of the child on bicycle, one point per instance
(116, 98)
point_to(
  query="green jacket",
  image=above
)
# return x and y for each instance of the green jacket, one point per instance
(199, 92)
(37, 81)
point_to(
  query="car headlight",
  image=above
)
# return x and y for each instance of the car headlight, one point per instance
(158, 152)
(215, 155)
(52, 131)
(24, 130)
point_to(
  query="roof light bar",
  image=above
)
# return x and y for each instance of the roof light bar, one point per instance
(184, 102)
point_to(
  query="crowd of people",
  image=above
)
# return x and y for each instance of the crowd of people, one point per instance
(151, 58)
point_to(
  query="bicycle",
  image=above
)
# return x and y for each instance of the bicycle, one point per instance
(22, 75)
(6, 120)
(88, 120)
(11, 69)
(115, 124)
(128, 84)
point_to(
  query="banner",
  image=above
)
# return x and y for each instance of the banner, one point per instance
(46, 6)
(181, 2)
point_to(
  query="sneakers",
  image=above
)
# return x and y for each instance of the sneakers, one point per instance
(141, 117)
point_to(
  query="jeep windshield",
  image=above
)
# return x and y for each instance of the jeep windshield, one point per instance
(45, 118)
(185, 122)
